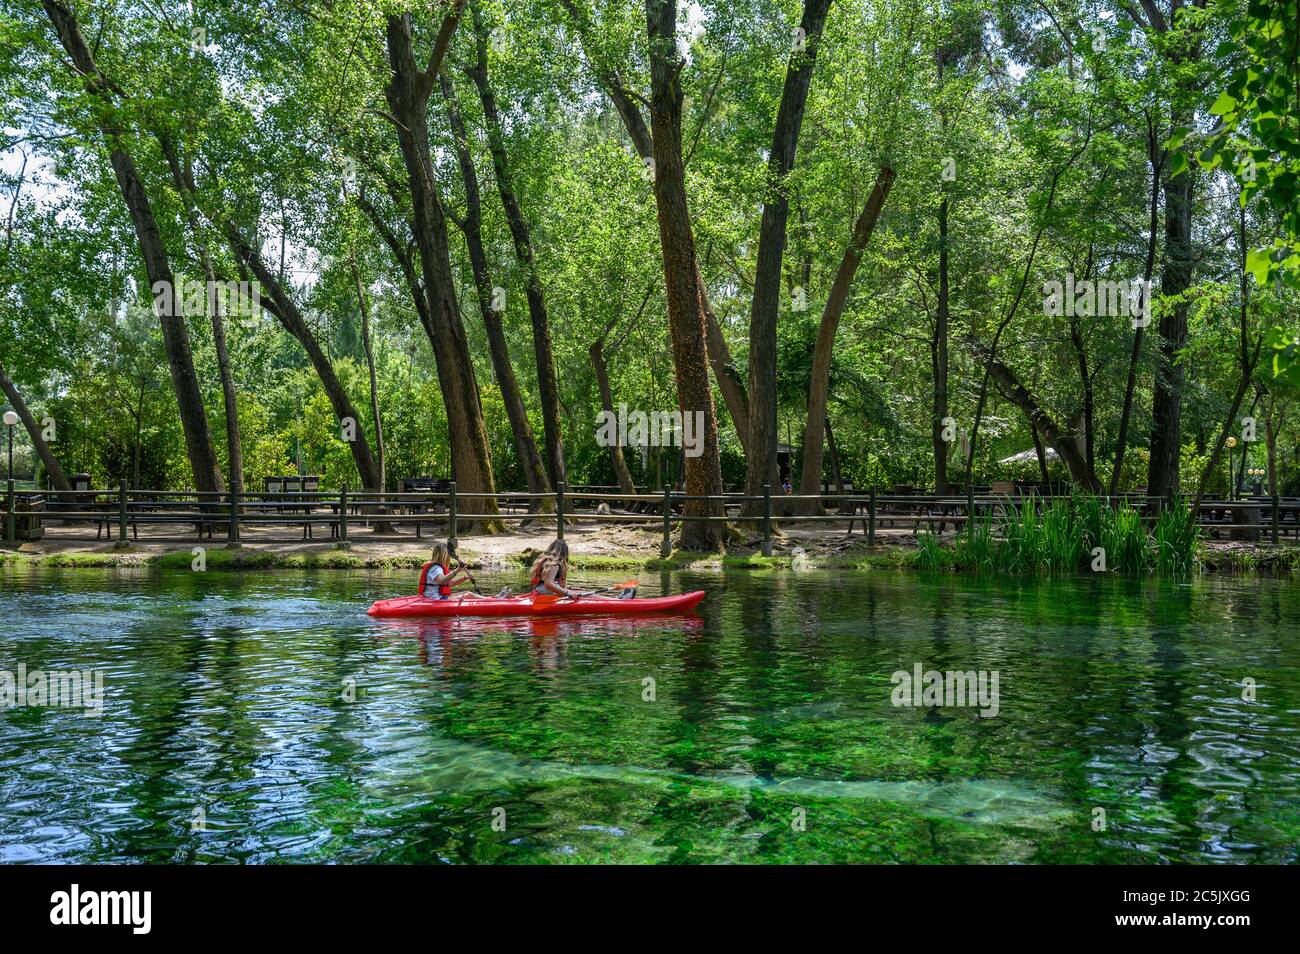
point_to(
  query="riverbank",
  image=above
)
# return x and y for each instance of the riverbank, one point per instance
(602, 547)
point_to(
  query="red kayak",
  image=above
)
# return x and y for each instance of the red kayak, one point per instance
(530, 605)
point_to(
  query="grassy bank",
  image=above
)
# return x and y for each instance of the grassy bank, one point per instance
(1064, 538)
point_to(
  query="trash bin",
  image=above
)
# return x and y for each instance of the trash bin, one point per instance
(28, 509)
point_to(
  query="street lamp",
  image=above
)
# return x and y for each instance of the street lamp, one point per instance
(1232, 481)
(10, 420)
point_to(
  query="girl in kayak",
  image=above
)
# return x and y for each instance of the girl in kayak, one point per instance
(551, 570)
(437, 576)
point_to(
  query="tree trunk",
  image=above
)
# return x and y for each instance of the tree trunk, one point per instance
(720, 360)
(836, 475)
(1066, 445)
(1167, 403)
(48, 460)
(819, 387)
(724, 369)
(761, 450)
(621, 473)
(939, 359)
(1041, 452)
(520, 234)
(183, 179)
(530, 459)
(686, 308)
(1135, 354)
(408, 99)
(370, 368)
(1085, 381)
(1272, 425)
(286, 311)
(176, 340)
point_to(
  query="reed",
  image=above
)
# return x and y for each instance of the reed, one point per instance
(1062, 536)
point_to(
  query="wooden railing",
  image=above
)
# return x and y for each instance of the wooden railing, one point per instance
(122, 512)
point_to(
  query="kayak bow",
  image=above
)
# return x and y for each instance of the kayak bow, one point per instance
(528, 606)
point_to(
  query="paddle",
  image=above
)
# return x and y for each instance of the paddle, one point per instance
(551, 598)
(460, 565)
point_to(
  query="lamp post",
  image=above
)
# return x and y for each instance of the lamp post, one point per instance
(10, 526)
(10, 420)
(1232, 483)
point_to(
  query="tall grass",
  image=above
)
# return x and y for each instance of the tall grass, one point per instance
(1174, 537)
(1061, 536)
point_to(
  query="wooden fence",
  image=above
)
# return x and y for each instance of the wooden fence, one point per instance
(121, 513)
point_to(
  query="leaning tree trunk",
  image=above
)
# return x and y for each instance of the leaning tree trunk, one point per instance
(48, 460)
(686, 319)
(761, 466)
(1066, 445)
(286, 311)
(176, 340)
(530, 459)
(408, 93)
(819, 386)
(547, 385)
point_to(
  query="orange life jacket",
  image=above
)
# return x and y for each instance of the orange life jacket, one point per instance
(444, 589)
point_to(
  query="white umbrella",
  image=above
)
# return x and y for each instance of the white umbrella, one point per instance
(1028, 455)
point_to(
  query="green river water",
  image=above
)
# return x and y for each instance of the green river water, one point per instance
(265, 718)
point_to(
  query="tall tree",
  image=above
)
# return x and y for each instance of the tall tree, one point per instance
(1180, 45)
(761, 448)
(725, 372)
(819, 387)
(183, 179)
(547, 386)
(471, 224)
(281, 304)
(408, 91)
(189, 399)
(686, 304)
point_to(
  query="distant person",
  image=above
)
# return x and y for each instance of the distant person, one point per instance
(785, 486)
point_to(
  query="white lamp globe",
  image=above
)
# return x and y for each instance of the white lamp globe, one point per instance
(11, 418)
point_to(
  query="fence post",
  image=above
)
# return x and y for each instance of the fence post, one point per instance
(232, 535)
(343, 514)
(121, 513)
(666, 545)
(767, 520)
(451, 517)
(871, 519)
(559, 510)
(1275, 518)
(11, 524)
(970, 505)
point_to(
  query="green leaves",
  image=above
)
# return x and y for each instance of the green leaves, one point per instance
(1285, 346)
(1252, 139)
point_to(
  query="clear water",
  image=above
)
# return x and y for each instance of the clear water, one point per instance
(231, 732)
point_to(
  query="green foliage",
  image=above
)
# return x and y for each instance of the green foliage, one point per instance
(1061, 536)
